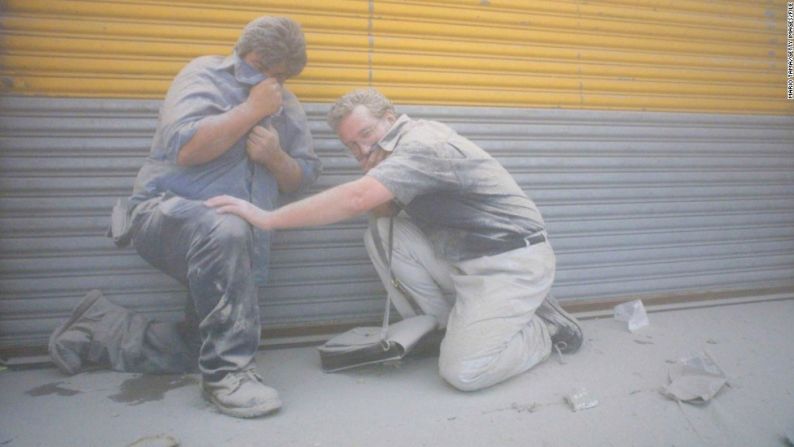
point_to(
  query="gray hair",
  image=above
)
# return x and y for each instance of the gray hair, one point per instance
(275, 40)
(377, 104)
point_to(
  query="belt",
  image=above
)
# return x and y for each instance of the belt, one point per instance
(532, 239)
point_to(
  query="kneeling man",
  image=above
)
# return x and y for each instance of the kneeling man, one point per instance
(469, 247)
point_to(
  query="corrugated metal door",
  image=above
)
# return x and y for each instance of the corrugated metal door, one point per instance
(637, 202)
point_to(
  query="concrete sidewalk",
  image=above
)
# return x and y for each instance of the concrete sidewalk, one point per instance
(407, 404)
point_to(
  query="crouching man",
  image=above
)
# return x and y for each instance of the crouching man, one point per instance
(469, 246)
(227, 126)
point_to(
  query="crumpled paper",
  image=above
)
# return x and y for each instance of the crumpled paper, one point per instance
(695, 379)
(581, 399)
(633, 313)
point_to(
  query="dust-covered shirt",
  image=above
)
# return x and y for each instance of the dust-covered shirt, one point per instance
(212, 85)
(465, 202)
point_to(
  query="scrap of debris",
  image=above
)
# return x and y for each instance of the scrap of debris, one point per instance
(633, 314)
(581, 399)
(695, 379)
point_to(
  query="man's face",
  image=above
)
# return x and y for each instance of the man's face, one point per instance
(278, 72)
(360, 132)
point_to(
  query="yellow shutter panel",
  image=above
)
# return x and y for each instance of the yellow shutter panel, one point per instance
(673, 55)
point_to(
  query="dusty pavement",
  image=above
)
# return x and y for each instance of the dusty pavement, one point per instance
(407, 404)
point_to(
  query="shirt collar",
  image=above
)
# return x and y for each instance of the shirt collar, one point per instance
(243, 73)
(389, 141)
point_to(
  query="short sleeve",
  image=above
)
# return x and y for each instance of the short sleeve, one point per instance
(414, 170)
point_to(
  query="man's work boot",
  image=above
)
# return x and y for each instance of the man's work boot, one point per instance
(241, 394)
(99, 333)
(566, 334)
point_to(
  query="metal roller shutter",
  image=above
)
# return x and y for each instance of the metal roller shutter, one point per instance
(636, 204)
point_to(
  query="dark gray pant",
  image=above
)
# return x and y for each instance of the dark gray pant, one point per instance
(209, 253)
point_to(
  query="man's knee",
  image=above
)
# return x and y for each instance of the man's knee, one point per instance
(222, 236)
(177, 218)
(230, 231)
(463, 374)
(221, 243)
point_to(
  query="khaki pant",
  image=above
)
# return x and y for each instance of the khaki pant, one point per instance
(487, 304)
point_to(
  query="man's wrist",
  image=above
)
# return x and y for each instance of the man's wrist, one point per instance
(251, 112)
(278, 160)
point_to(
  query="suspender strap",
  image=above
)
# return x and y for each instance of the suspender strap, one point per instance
(387, 259)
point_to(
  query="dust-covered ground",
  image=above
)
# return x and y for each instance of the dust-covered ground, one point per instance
(407, 404)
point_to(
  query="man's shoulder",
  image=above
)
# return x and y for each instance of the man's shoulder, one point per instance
(207, 61)
(425, 134)
(202, 74)
(434, 125)
(202, 64)
(423, 128)
(438, 140)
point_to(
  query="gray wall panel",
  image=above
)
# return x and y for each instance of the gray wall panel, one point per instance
(636, 204)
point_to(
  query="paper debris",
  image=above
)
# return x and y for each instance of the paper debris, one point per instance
(581, 399)
(695, 379)
(633, 313)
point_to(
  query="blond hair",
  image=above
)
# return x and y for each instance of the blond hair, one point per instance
(377, 104)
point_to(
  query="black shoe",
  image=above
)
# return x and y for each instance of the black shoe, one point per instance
(566, 334)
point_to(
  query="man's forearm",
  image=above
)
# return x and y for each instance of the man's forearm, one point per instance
(287, 171)
(330, 206)
(216, 134)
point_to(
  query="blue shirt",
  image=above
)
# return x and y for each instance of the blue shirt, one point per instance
(212, 85)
